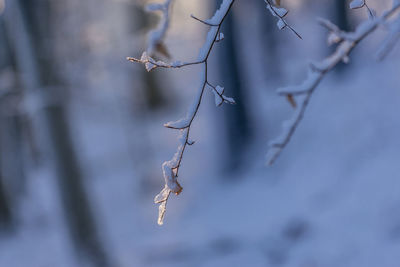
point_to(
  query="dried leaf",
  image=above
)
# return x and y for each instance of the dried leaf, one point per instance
(163, 50)
(291, 100)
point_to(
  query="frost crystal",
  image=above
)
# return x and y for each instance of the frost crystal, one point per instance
(281, 24)
(280, 11)
(220, 90)
(218, 99)
(220, 37)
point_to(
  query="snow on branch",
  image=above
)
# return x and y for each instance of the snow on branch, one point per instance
(346, 42)
(280, 13)
(392, 38)
(156, 36)
(171, 167)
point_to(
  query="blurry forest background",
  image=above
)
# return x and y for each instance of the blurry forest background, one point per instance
(82, 142)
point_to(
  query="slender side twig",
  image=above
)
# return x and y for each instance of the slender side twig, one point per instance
(171, 167)
(202, 21)
(354, 4)
(346, 42)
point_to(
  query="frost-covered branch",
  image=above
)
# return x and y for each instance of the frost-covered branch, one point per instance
(392, 38)
(171, 168)
(156, 36)
(346, 42)
(151, 64)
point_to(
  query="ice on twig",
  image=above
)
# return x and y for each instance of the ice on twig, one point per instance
(220, 98)
(229, 100)
(220, 13)
(219, 89)
(170, 178)
(218, 95)
(156, 36)
(357, 4)
(161, 212)
(163, 195)
(161, 199)
(281, 24)
(280, 13)
(190, 142)
(179, 124)
(220, 37)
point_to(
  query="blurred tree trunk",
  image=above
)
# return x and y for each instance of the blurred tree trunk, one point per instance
(237, 122)
(341, 9)
(30, 27)
(12, 174)
(11, 151)
(11, 163)
(341, 19)
(5, 209)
